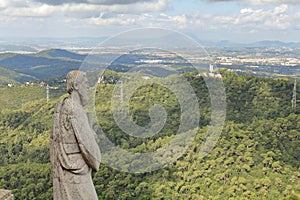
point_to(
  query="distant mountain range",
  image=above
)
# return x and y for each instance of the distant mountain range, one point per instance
(34, 46)
(18, 67)
(228, 43)
(16, 48)
(45, 64)
(264, 43)
(269, 43)
(22, 67)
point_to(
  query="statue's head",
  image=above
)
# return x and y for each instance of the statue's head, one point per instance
(77, 82)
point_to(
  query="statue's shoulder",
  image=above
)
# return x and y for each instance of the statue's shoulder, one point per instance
(64, 106)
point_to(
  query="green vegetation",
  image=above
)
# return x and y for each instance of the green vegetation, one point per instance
(17, 96)
(10, 76)
(257, 156)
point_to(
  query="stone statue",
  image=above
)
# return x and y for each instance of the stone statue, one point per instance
(74, 151)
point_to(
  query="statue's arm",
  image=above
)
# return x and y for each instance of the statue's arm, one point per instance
(86, 139)
(90, 160)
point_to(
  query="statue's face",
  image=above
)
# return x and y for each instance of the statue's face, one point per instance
(83, 91)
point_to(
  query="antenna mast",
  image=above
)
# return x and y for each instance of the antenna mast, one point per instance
(294, 100)
(47, 93)
(121, 92)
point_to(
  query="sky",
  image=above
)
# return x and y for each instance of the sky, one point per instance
(210, 20)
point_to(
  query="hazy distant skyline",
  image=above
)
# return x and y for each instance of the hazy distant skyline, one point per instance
(238, 21)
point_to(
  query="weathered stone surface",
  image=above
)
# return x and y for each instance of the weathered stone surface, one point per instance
(73, 147)
(6, 195)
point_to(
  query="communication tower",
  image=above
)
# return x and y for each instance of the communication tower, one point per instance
(47, 93)
(294, 100)
(121, 92)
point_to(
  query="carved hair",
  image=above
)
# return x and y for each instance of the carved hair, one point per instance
(74, 77)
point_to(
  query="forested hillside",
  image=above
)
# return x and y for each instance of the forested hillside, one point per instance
(45, 64)
(257, 156)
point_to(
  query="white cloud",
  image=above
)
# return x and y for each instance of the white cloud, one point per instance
(140, 7)
(146, 13)
(297, 16)
(271, 2)
(13, 3)
(260, 2)
(145, 20)
(41, 11)
(246, 10)
(112, 21)
(98, 2)
(276, 18)
(18, 8)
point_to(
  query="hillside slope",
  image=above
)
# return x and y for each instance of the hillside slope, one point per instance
(41, 65)
(10, 76)
(257, 156)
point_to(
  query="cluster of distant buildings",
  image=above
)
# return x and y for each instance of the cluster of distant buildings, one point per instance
(241, 60)
(212, 72)
(42, 84)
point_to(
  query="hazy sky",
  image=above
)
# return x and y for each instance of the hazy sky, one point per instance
(240, 20)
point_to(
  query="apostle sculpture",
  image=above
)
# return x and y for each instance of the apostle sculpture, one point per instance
(74, 151)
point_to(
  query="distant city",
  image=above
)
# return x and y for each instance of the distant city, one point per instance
(265, 58)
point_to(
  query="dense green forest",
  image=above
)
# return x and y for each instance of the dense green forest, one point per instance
(256, 157)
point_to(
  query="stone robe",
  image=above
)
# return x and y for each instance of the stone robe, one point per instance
(74, 153)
